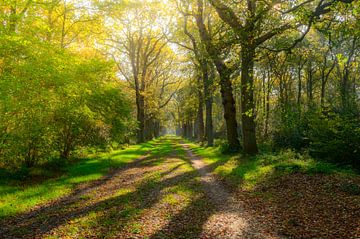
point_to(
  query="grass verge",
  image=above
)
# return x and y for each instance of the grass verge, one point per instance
(247, 172)
(19, 196)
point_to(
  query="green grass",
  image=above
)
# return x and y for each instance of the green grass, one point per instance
(17, 197)
(247, 172)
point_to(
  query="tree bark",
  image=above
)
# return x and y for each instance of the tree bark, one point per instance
(208, 80)
(225, 82)
(140, 104)
(267, 106)
(200, 113)
(247, 100)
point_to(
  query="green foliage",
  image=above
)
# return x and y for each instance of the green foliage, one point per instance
(331, 136)
(336, 138)
(54, 101)
(290, 130)
(248, 172)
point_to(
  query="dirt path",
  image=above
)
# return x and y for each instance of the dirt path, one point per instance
(230, 219)
(169, 193)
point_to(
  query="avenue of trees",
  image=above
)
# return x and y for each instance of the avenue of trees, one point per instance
(287, 71)
(243, 74)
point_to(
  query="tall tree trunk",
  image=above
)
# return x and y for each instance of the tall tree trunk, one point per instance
(140, 104)
(345, 81)
(229, 108)
(225, 82)
(156, 128)
(267, 112)
(208, 81)
(324, 79)
(184, 130)
(247, 99)
(345, 88)
(208, 104)
(190, 131)
(200, 113)
(267, 106)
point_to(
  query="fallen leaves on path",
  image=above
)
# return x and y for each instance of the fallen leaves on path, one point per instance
(161, 195)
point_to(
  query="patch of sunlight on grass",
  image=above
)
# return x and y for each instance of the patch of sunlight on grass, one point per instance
(186, 167)
(248, 172)
(209, 154)
(151, 180)
(85, 221)
(124, 191)
(254, 177)
(172, 199)
(182, 190)
(85, 178)
(17, 197)
(228, 167)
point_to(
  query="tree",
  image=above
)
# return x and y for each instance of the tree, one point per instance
(215, 54)
(144, 60)
(250, 26)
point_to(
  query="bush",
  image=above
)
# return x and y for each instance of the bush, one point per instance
(336, 138)
(290, 131)
(328, 135)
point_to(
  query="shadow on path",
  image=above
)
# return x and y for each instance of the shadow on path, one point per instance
(119, 213)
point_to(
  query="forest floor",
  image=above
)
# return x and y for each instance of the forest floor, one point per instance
(173, 192)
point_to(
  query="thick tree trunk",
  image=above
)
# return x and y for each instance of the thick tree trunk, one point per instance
(225, 82)
(229, 107)
(140, 104)
(156, 128)
(247, 100)
(184, 130)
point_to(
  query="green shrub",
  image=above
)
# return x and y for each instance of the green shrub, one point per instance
(290, 131)
(336, 139)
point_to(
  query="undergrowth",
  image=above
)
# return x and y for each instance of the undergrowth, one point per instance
(249, 171)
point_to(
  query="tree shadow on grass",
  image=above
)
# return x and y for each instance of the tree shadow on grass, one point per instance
(78, 205)
(112, 215)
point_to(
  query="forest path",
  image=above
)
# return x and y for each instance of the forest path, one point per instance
(169, 193)
(230, 220)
